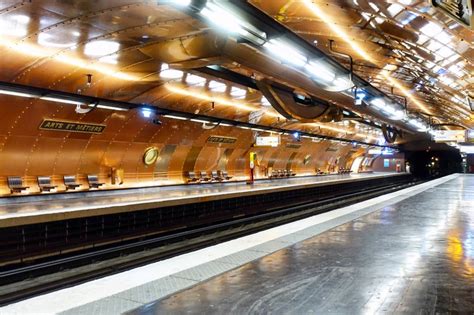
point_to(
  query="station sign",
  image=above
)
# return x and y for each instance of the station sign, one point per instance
(71, 126)
(221, 139)
(268, 141)
(293, 145)
(459, 10)
(449, 135)
(380, 151)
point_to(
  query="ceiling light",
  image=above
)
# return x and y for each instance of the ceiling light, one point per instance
(217, 86)
(223, 17)
(168, 73)
(431, 29)
(378, 102)
(101, 48)
(175, 117)
(264, 101)
(318, 70)
(195, 79)
(110, 107)
(237, 92)
(342, 84)
(200, 121)
(60, 100)
(443, 37)
(146, 112)
(285, 52)
(13, 93)
(394, 9)
(445, 52)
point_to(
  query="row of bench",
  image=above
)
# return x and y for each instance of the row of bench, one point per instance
(16, 185)
(343, 170)
(281, 173)
(202, 176)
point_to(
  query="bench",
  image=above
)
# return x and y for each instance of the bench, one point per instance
(44, 183)
(203, 176)
(70, 182)
(215, 176)
(94, 181)
(15, 183)
(225, 175)
(192, 178)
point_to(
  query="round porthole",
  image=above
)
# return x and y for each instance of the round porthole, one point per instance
(150, 156)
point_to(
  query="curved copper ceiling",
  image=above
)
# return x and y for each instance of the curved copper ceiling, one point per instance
(55, 45)
(402, 46)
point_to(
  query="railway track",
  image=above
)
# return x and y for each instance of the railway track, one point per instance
(21, 281)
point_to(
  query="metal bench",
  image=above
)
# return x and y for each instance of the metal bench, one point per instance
(225, 175)
(203, 176)
(215, 176)
(16, 184)
(94, 181)
(70, 182)
(44, 183)
(192, 178)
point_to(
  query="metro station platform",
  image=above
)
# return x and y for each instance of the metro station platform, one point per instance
(409, 251)
(21, 210)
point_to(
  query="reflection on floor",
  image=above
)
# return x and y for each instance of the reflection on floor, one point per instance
(414, 257)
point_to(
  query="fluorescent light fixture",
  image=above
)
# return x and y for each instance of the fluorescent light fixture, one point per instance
(394, 9)
(431, 29)
(13, 93)
(238, 92)
(200, 121)
(60, 100)
(101, 48)
(110, 107)
(342, 84)
(285, 52)
(378, 102)
(168, 73)
(226, 124)
(264, 101)
(195, 79)
(175, 117)
(217, 86)
(445, 52)
(398, 115)
(223, 17)
(320, 71)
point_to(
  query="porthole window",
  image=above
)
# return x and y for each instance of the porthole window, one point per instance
(150, 156)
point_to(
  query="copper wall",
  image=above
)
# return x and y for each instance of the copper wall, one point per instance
(27, 151)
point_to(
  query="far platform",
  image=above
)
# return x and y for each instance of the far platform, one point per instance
(32, 209)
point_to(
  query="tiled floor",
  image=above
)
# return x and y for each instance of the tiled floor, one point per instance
(412, 257)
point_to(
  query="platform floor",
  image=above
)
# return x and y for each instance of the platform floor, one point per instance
(413, 257)
(409, 251)
(50, 207)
